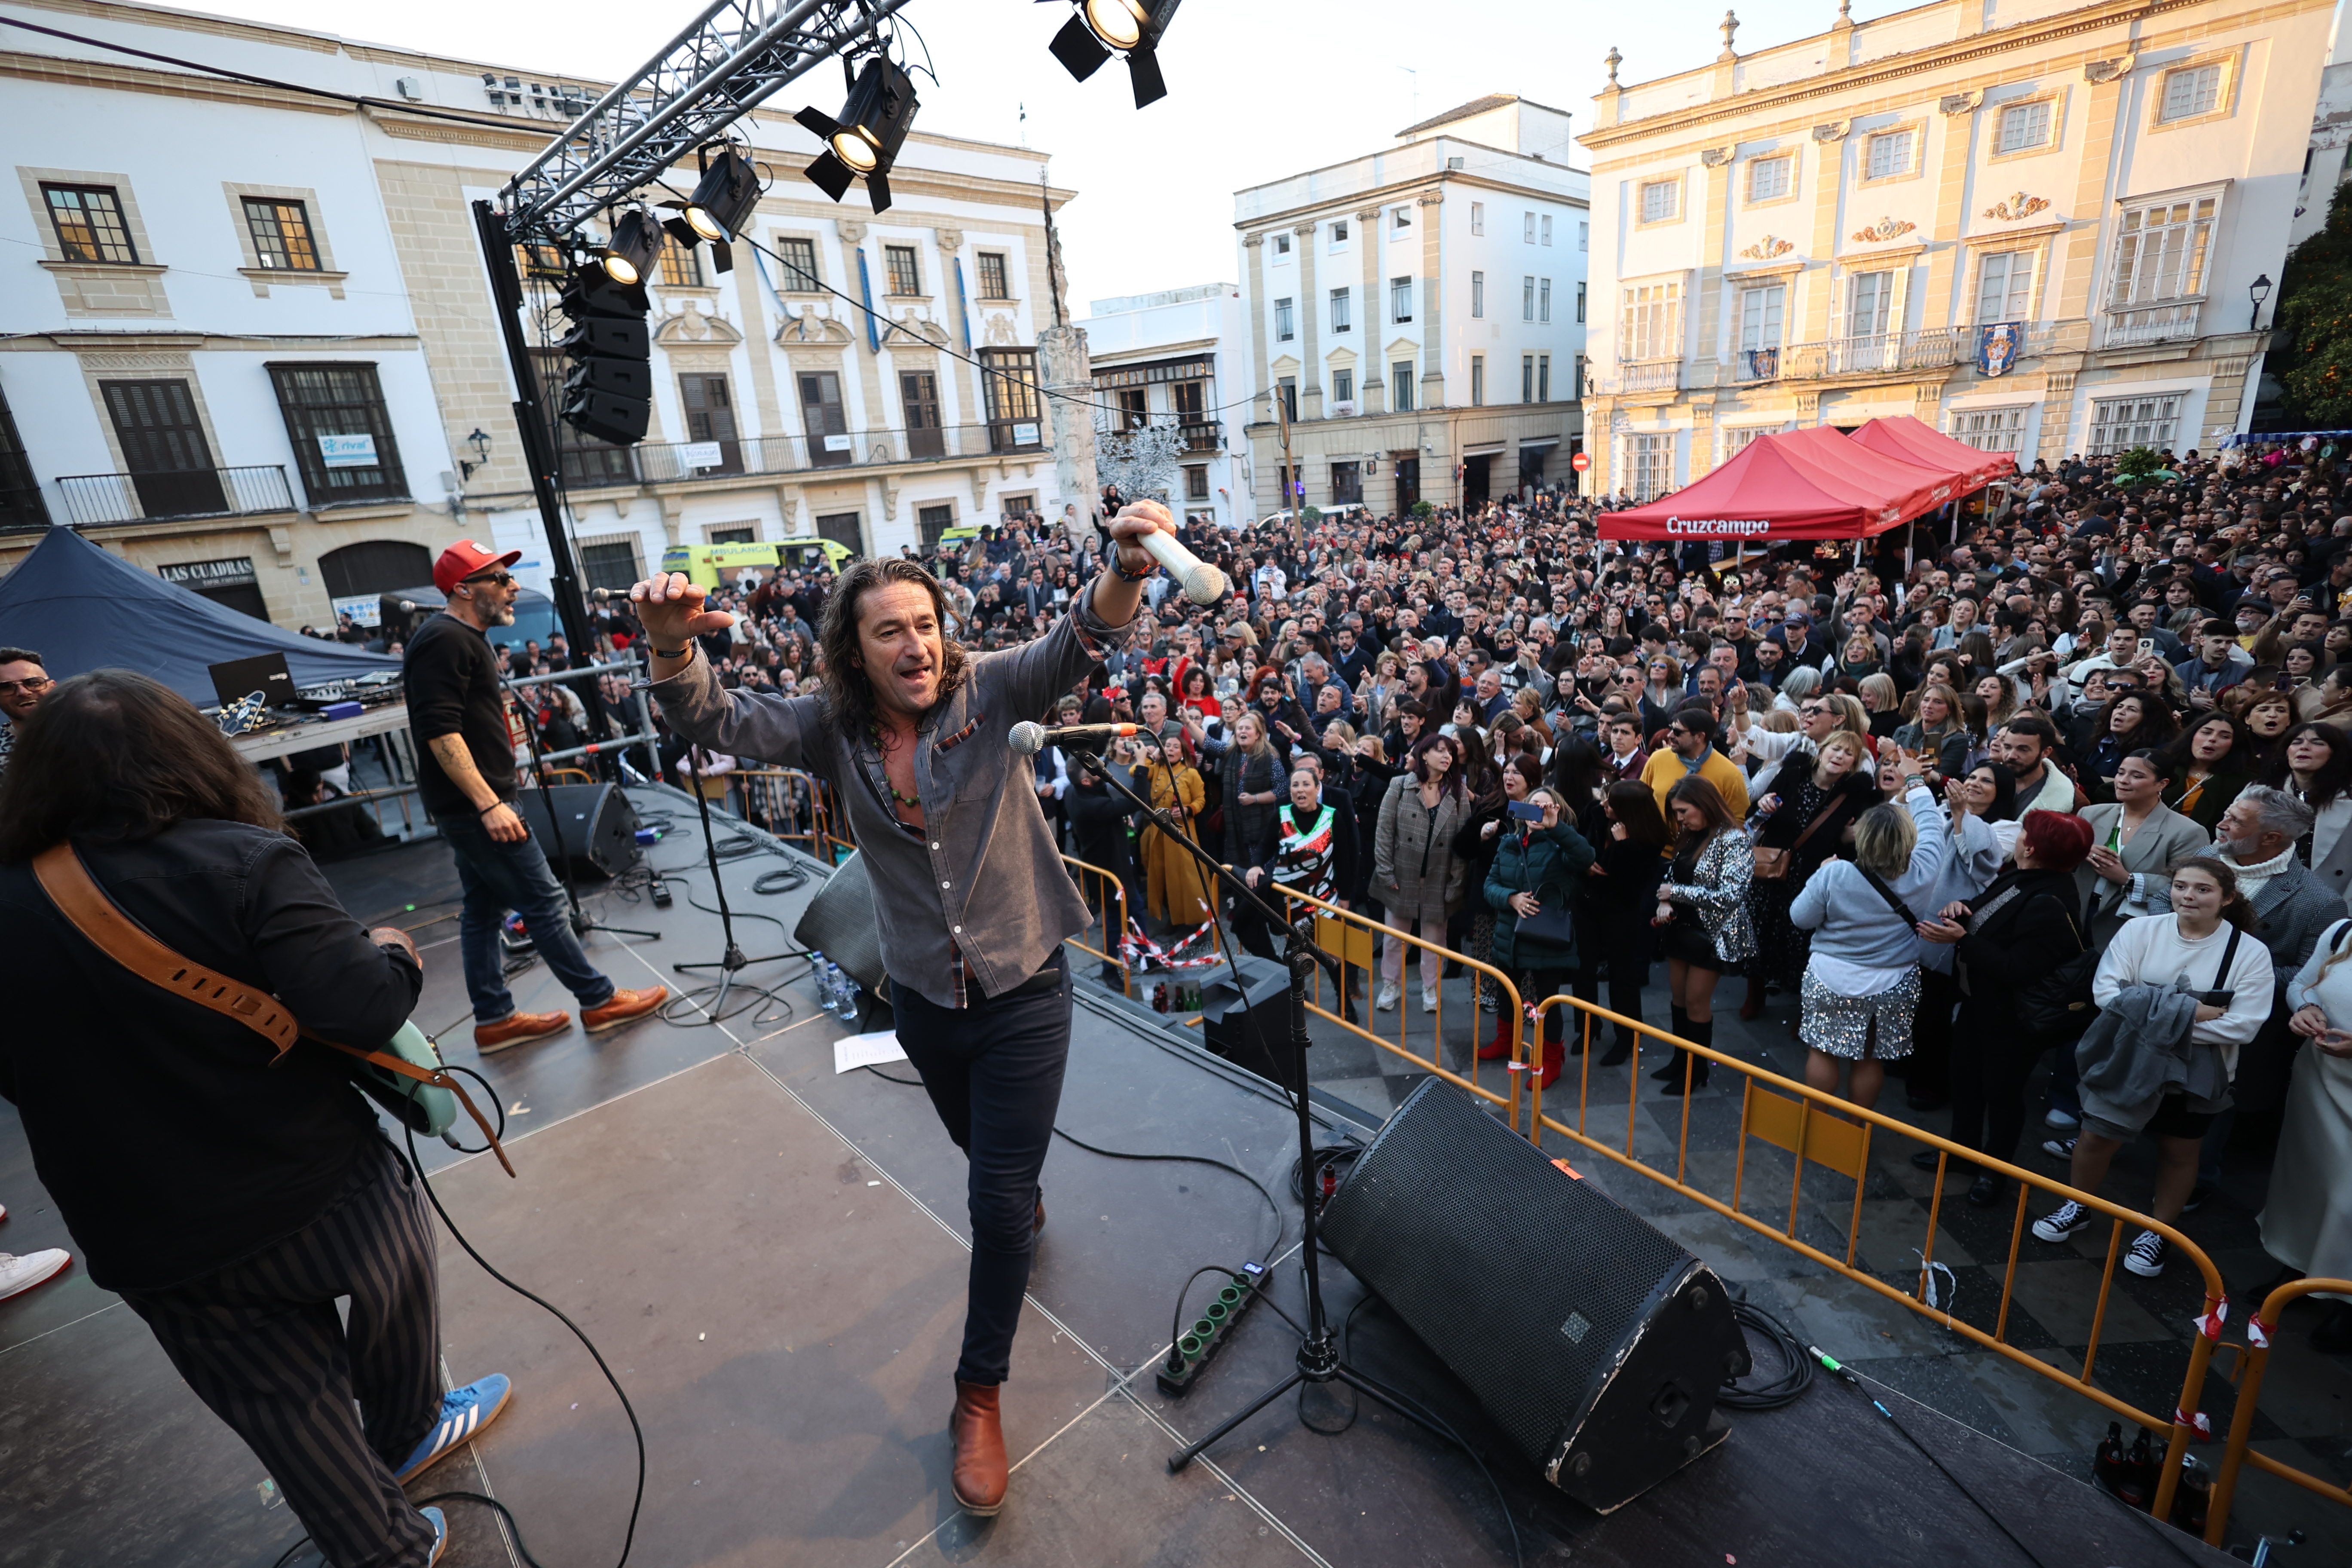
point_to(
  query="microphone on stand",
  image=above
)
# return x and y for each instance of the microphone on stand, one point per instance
(1028, 739)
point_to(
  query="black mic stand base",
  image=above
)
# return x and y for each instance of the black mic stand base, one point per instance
(732, 961)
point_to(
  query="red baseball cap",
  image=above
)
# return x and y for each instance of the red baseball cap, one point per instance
(465, 558)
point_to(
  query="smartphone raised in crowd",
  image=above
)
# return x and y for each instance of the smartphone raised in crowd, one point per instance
(1525, 810)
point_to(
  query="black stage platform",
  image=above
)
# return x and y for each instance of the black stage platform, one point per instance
(773, 1258)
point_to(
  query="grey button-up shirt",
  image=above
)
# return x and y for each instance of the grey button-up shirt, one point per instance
(984, 877)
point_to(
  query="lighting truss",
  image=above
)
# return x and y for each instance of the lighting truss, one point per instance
(735, 56)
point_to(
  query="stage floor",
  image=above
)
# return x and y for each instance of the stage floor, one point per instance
(771, 1257)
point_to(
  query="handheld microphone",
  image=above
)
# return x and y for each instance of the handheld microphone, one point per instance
(1203, 583)
(1028, 739)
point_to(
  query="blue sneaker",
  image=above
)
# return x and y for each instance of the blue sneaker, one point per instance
(464, 1412)
(440, 1534)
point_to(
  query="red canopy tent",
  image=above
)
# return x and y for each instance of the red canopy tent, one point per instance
(1916, 441)
(1804, 484)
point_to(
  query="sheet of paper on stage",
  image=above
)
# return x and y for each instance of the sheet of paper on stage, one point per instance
(854, 1051)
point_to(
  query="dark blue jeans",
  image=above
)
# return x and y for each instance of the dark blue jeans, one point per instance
(500, 877)
(994, 1075)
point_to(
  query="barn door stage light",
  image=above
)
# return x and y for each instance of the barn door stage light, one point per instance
(864, 142)
(1105, 27)
(724, 196)
(634, 247)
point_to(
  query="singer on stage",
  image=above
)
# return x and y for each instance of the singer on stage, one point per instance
(970, 895)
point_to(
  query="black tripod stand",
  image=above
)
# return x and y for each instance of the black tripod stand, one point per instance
(1319, 1360)
(733, 960)
(582, 923)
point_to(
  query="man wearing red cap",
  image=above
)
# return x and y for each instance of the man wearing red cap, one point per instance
(466, 738)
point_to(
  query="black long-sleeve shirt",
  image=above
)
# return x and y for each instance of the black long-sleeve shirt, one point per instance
(171, 1142)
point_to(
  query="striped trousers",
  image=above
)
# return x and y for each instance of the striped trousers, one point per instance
(261, 1344)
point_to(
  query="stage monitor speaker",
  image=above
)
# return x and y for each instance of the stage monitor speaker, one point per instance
(1595, 1341)
(1246, 1018)
(839, 922)
(593, 833)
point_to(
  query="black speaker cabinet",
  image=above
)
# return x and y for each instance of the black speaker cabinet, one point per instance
(1246, 1018)
(593, 835)
(1597, 1343)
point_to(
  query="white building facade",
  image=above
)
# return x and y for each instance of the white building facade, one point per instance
(1420, 313)
(247, 340)
(1179, 359)
(2041, 228)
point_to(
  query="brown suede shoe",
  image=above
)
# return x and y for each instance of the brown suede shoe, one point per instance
(516, 1027)
(980, 1476)
(623, 1006)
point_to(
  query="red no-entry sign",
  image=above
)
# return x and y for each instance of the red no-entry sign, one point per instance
(1580, 461)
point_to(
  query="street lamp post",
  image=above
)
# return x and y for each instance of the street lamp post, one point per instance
(2258, 292)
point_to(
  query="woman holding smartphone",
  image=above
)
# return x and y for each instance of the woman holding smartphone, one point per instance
(1539, 862)
(2190, 982)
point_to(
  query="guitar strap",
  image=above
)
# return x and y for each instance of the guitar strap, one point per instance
(84, 903)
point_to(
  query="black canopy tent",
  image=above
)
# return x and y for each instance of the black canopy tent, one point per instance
(82, 609)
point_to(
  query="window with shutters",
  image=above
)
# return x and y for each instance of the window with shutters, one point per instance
(681, 267)
(2119, 423)
(932, 522)
(1343, 387)
(1870, 304)
(1347, 483)
(1580, 301)
(1400, 386)
(1543, 378)
(1526, 378)
(1735, 441)
(1990, 429)
(1477, 294)
(1770, 179)
(1649, 465)
(2004, 287)
(1761, 314)
(2023, 127)
(1478, 381)
(1583, 237)
(710, 419)
(1478, 217)
(282, 234)
(1528, 299)
(906, 273)
(612, 564)
(1342, 311)
(342, 434)
(1400, 299)
(994, 282)
(1661, 200)
(1650, 325)
(1284, 327)
(1888, 154)
(1545, 232)
(1010, 379)
(1196, 482)
(800, 265)
(1543, 298)
(1527, 228)
(89, 223)
(2160, 251)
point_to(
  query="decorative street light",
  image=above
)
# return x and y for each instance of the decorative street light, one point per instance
(2260, 291)
(480, 441)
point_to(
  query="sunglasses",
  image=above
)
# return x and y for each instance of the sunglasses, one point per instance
(495, 579)
(29, 685)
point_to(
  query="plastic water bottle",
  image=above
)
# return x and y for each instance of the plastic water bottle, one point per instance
(822, 973)
(845, 990)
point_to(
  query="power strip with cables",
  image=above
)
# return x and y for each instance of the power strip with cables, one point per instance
(1191, 1354)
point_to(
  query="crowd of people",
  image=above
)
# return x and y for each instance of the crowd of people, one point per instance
(2075, 754)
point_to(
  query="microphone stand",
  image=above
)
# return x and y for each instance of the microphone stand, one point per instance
(1319, 1360)
(733, 959)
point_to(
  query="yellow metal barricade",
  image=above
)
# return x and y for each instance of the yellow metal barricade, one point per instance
(1836, 1135)
(2236, 1454)
(1111, 900)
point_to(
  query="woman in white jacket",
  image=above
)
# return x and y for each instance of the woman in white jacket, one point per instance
(2307, 1221)
(2199, 947)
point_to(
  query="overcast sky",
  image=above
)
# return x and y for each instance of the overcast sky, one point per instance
(1256, 88)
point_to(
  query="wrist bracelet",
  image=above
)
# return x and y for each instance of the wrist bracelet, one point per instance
(1120, 568)
(489, 808)
(668, 653)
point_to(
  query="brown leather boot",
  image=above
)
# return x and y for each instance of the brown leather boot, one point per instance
(980, 1476)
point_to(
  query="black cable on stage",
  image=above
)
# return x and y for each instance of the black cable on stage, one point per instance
(639, 1432)
(1280, 1228)
(1796, 1374)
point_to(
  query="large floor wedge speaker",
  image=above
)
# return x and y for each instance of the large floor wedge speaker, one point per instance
(593, 833)
(1596, 1343)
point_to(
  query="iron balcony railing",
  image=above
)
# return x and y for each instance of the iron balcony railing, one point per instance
(671, 462)
(1882, 354)
(2152, 323)
(1642, 376)
(176, 492)
(21, 509)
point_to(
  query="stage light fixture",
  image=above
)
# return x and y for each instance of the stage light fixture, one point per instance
(864, 142)
(635, 246)
(1101, 28)
(728, 191)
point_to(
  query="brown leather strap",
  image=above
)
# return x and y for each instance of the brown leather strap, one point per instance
(80, 897)
(82, 902)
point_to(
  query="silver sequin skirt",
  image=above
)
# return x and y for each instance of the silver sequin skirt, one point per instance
(1838, 1025)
